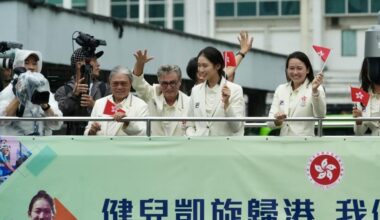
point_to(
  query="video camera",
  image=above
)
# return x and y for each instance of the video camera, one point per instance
(89, 45)
(6, 59)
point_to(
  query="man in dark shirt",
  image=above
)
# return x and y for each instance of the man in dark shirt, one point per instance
(77, 97)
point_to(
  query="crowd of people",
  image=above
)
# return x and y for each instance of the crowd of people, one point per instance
(213, 95)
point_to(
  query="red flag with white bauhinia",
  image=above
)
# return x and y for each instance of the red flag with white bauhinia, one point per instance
(229, 58)
(111, 109)
(323, 52)
(359, 95)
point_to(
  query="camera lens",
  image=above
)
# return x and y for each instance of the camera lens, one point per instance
(6, 63)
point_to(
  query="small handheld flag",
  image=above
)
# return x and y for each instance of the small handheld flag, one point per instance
(359, 95)
(323, 52)
(229, 58)
(110, 108)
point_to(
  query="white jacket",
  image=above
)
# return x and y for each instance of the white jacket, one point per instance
(373, 125)
(153, 96)
(197, 108)
(133, 106)
(305, 105)
(21, 128)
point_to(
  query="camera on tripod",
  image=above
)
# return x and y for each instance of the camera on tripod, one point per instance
(6, 59)
(88, 45)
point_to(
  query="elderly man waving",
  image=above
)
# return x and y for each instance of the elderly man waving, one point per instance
(163, 99)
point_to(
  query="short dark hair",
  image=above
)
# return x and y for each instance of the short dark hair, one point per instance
(192, 68)
(215, 57)
(42, 194)
(304, 59)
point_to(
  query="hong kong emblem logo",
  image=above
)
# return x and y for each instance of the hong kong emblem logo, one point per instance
(325, 169)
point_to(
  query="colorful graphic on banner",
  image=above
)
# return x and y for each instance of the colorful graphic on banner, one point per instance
(198, 178)
(12, 154)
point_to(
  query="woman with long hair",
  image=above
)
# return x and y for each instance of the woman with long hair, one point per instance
(370, 82)
(216, 97)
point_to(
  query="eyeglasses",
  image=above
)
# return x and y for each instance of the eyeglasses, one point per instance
(116, 84)
(171, 83)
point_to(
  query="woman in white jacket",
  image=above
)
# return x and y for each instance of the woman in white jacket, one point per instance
(216, 97)
(370, 82)
(302, 96)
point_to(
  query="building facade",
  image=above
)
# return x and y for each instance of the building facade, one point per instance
(279, 26)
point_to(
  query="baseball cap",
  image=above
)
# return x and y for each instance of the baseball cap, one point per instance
(79, 55)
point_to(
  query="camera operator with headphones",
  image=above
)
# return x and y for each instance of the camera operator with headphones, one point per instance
(28, 96)
(77, 97)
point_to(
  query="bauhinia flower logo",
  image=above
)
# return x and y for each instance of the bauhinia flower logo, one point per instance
(325, 169)
(359, 95)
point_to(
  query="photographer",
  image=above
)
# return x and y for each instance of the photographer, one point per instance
(28, 96)
(5, 77)
(77, 98)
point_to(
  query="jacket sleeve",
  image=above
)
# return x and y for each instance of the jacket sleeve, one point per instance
(68, 103)
(6, 96)
(54, 125)
(236, 109)
(274, 108)
(94, 113)
(143, 89)
(190, 125)
(361, 129)
(319, 103)
(137, 128)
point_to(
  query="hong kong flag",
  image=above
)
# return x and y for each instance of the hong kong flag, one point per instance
(359, 95)
(110, 108)
(229, 58)
(323, 52)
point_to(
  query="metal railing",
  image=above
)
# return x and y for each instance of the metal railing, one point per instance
(250, 122)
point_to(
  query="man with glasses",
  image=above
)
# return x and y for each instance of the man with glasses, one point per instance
(163, 99)
(120, 104)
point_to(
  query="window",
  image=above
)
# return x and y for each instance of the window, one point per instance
(335, 6)
(246, 8)
(178, 13)
(127, 9)
(357, 6)
(79, 4)
(290, 7)
(375, 6)
(224, 9)
(155, 12)
(157, 23)
(119, 11)
(348, 43)
(254, 8)
(269, 8)
(55, 2)
(352, 6)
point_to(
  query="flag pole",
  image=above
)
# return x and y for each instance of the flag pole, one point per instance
(324, 63)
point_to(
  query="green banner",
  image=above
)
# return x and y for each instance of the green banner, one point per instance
(198, 178)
